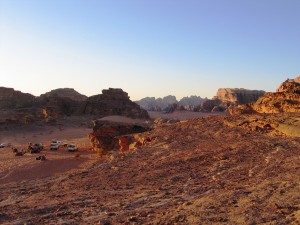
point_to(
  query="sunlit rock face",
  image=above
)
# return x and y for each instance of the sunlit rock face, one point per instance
(285, 99)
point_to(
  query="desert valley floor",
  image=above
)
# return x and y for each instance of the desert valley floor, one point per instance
(209, 170)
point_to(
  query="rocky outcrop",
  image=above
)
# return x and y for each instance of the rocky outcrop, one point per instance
(113, 102)
(69, 93)
(285, 99)
(297, 79)
(105, 135)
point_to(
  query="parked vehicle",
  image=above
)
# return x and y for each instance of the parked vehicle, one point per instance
(60, 143)
(72, 148)
(57, 144)
(54, 146)
(36, 148)
(3, 145)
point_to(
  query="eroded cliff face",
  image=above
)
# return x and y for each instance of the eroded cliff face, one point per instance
(285, 99)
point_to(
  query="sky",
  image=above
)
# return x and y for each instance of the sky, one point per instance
(148, 47)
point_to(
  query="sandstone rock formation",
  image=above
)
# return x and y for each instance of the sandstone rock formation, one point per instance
(65, 93)
(285, 99)
(106, 134)
(297, 79)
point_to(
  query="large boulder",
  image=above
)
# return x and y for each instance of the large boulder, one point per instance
(105, 135)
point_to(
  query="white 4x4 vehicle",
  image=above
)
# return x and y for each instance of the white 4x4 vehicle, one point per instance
(72, 148)
(56, 144)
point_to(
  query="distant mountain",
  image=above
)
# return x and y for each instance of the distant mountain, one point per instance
(193, 100)
(224, 99)
(159, 104)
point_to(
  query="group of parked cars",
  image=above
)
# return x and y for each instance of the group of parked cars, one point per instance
(55, 145)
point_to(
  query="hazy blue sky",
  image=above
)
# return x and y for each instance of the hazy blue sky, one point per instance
(148, 48)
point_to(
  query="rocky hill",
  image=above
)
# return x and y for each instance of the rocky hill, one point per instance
(65, 93)
(285, 99)
(19, 108)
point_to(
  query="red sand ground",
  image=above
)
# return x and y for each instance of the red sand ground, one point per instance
(15, 169)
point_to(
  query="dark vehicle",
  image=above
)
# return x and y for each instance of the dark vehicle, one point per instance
(36, 148)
